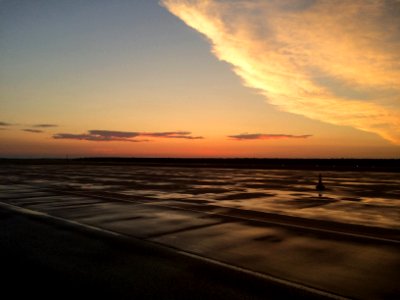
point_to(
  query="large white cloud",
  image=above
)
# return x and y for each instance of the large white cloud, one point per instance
(337, 61)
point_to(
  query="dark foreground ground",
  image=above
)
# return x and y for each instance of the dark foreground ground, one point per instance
(162, 232)
(40, 258)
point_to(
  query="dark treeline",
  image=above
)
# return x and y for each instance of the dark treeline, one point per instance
(381, 165)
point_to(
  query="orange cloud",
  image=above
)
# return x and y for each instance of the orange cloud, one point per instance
(333, 61)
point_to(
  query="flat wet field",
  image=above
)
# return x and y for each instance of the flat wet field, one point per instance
(352, 197)
(344, 241)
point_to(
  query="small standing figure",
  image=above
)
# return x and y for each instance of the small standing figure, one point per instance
(320, 186)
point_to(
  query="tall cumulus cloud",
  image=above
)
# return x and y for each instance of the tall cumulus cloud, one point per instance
(336, 61)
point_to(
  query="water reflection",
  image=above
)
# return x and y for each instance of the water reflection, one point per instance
(355, 197)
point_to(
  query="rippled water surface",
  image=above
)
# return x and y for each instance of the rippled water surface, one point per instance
(356, 197)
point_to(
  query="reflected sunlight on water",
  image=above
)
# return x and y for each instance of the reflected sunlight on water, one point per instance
(355, 197)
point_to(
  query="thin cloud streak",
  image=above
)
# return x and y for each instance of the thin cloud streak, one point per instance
(266, 136)
(172, 135)
(32, 130)
(310, 57)
(124, 136)
(44, 125)
(92, 137)
(5, 124)
(113, 134)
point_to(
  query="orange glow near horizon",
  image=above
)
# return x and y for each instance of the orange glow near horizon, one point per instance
(294, 78)
(218, 146)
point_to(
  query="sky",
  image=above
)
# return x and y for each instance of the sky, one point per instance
(200, 78)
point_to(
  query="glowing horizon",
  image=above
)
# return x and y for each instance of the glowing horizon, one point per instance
(288, 78)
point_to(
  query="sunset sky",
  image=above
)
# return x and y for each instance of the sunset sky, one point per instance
(205, 78)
